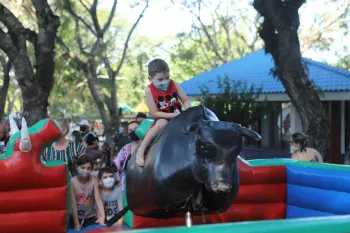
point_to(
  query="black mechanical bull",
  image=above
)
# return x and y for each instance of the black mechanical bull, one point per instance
(190, 166)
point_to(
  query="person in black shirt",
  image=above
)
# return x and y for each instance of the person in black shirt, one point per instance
(120, 140)
(89, 137)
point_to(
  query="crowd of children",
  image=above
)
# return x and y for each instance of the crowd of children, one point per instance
(94, 199)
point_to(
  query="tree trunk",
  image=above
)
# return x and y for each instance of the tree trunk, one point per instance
(35, 81)
(111, 120)
(6, 67)
(279, 32)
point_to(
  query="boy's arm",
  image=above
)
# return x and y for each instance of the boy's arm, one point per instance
(152, 107)
(73, 204)
(99, 202)
(182, 96)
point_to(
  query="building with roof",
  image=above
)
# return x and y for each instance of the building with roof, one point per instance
(282, 119)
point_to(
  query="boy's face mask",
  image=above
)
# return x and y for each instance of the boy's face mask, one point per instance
(161, 85)
(108, 182)
(83, 173)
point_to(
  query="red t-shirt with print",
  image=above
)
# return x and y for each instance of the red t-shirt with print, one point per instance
(167, 101)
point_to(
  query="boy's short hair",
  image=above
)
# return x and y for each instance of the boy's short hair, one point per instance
(83, 159)
(157, 66)
(105, 170)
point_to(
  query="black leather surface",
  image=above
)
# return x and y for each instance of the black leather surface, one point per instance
(195, 152)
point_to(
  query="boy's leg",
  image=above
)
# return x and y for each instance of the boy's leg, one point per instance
(150, 135)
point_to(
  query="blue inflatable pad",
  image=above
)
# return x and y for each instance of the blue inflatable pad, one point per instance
(298, 212)
(328, 201)
(93, 227)
(336, 180)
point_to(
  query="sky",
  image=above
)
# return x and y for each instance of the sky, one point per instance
(164, 19)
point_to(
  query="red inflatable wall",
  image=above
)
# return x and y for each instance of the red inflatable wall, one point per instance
(261, 196)
(33, 197)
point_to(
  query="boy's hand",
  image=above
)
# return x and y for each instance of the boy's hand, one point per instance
(177, 112)
(119, 222)
(101, 220)
(77, 227)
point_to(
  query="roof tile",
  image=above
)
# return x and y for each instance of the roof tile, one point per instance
(256, 68)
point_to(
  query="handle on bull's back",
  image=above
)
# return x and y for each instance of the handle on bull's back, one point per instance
(143, 127)
(116, 217)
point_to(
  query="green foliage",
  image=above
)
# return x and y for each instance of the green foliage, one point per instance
(238, 102)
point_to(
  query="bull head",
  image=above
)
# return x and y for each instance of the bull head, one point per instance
(244, 131)
(217, 145)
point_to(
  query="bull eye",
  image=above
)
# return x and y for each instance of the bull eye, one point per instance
(206, 149)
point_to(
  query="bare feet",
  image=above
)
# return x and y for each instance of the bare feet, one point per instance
(140, 157)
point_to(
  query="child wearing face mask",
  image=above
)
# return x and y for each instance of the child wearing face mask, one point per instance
(163, 98)
(111, 193)
(83, 195)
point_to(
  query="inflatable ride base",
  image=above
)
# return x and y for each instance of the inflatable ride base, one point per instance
(275, 195)
(292, 192)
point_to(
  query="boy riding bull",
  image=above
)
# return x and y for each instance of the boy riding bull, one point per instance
(163, 98)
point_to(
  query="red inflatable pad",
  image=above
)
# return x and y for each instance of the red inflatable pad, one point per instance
(27, 200)
(261, 193)
(33, 197)
(261, 175)
(34, 222)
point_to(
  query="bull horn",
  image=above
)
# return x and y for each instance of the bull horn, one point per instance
(13, 126)
(250, 133)
(190, 127)
(25, 144)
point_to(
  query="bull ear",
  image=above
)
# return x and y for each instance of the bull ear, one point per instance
(251, 134)
(189, 127)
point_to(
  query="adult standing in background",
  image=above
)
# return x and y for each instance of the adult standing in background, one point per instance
(63, 149)
(300, 152)
(89, 137)
(120, 140)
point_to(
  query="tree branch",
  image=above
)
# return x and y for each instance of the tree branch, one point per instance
(84, 5)
(6, 45)
(207, 34)
(78, 39)
(111, 15)
(93, 13)
(70, 54)
(128, 39)
(14, 25)
(48, 24)
(68, 7)
(6, 67)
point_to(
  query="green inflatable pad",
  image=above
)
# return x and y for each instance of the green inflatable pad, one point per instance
(142, 129)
